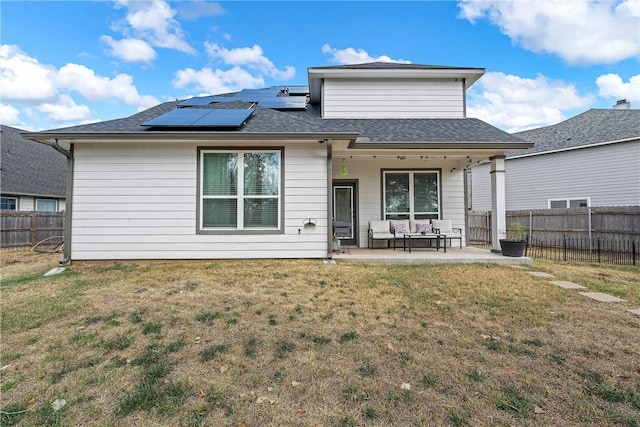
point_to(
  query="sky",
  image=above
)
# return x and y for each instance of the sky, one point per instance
(74, 62)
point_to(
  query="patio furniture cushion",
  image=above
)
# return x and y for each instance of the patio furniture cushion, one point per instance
(380, 226)
(380, 230)
(403, 226)
(400, 229)
(423, 227)
(442, 225)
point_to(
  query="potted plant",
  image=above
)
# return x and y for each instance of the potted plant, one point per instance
(514, 242)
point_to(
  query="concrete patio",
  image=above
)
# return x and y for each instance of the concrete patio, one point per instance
(454, 255)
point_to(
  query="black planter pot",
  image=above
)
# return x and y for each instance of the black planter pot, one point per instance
(513, 248)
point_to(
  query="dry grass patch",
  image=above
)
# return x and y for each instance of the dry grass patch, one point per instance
(300, 343)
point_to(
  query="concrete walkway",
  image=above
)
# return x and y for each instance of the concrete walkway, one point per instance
(597, 296)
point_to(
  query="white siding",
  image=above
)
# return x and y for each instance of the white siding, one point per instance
(139, 202)
(368, 172)
(393, 98)
(609, 175)
(481, 187)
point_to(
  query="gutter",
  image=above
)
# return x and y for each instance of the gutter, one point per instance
(172, 136)
(69, 197)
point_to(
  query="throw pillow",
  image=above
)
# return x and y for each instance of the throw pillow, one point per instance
(400, 229)
(424, 228)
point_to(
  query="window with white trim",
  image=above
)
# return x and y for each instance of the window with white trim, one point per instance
(240, 190)
(411, 194)
(569, 203)
(46, 205)
(9, 203)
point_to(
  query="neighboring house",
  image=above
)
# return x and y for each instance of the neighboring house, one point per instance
(263, 172)
(592, 159)
(33, 175)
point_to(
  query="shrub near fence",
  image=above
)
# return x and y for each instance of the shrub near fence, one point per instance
(28, 228)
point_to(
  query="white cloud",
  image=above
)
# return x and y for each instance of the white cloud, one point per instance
(515, 103)
(26, 82)
(578, 31)
(65, 109)
(250, 57)
(84, 80)
(212, 81)
(130, 50)
(9, 115)
(359, 56)
(153, 21)
(23, 78)
(612, 86)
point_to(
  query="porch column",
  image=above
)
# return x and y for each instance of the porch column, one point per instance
(498, 201)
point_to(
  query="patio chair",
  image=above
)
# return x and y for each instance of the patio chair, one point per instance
(443, 227)
(380, 230)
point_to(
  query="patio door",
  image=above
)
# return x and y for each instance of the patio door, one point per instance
(345, 209)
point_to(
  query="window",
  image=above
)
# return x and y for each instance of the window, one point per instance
(411, 194)
(9, 203)
(46, 205)
(240, 190)
(569, 203)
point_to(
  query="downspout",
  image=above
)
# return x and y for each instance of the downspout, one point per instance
(69, 199)
(329, 142)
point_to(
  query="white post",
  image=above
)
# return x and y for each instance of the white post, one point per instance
(498, 202)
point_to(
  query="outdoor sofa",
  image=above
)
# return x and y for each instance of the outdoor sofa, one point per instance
(390, 230)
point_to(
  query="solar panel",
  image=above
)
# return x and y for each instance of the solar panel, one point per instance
(298, 90)
(224, 118)
(200, 117)
(255, 95)
(285, 103)
(178, 117)
(196, 101)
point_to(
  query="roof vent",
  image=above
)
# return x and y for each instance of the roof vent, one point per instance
(622, 104)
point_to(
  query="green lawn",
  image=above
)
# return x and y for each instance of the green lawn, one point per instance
(300, 343)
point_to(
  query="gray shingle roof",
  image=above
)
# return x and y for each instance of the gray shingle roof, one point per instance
(30, 168)
(266, 120)
(391, 66)
(591, 127)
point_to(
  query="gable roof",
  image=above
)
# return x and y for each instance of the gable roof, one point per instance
(595, 126)
(29, 168)
(392, 66)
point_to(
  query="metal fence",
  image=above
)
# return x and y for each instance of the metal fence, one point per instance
(28, 228)
(608, 235)
(584, 250)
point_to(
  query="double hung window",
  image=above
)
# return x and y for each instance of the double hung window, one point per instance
(240, 190)
(411, 194)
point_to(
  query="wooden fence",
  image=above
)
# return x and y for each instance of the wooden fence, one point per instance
(28, 228)
(619, 223)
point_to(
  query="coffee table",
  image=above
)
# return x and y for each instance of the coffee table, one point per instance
(431, 237)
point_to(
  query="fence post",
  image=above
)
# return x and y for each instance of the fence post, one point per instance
(33, 229)
(599, 258)
(564, 246)
(633, 252)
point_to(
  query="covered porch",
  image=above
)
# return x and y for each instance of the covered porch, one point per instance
(454, 255)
